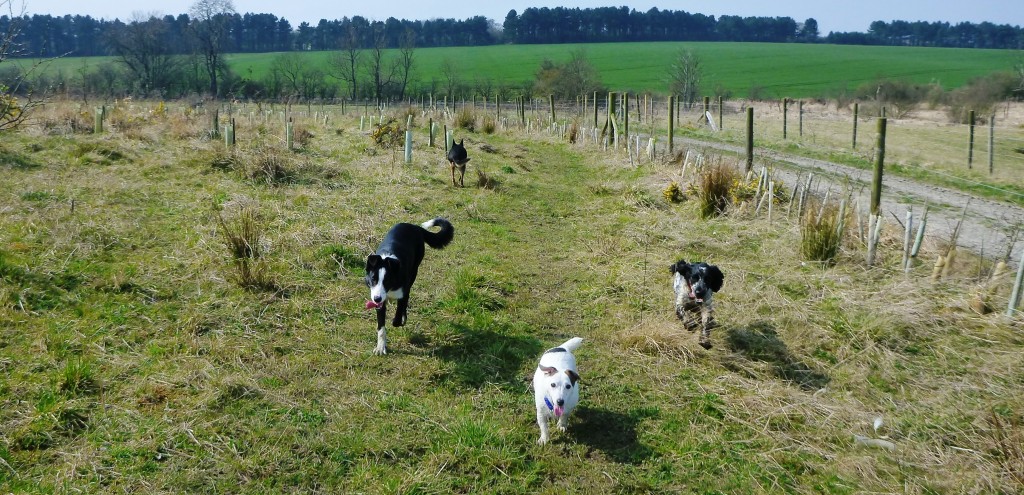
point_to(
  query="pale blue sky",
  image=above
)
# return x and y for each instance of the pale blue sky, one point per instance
(843, 15)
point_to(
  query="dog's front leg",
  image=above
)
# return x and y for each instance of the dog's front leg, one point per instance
(401, 311)
(707, 320)
(381, 332)
(542, 422)
(563, 423)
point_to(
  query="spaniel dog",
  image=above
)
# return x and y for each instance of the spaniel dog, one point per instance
(694, 284)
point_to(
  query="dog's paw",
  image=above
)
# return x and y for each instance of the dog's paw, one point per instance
(680, 313)
(705, 344)
(380, 350)
(542, 441)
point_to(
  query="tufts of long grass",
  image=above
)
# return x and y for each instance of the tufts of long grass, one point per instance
(821, 233)
(714, 184)
(242, 235)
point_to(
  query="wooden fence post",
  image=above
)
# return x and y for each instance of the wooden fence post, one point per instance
(876, 184)
(856, 109)
(626, 118)
(800, 105)
(721, 123)
(785, 112)
(970, 140)
(991, 144)
(671, 122)
(750, 139)
(551, 104)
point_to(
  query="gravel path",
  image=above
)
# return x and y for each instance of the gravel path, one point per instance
(986, 226)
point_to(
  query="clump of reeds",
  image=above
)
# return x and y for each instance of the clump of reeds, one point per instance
(821, 233)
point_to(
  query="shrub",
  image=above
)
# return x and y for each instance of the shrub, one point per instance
(899, 97)
(672, 193)
(388, 134)
(981, 95)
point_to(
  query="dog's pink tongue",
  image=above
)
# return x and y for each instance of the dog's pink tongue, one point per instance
(371, 305)
(558, 411)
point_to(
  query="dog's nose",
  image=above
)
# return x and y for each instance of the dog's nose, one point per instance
(560, 402)
(378, 299)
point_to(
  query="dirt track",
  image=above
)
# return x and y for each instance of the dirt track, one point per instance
(985, 228)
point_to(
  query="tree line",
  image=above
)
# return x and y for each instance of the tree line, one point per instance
(78, 35)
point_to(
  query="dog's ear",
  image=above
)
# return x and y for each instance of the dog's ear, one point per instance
(372, 262)
(714, 278)
(681, 267)
(392, 264)
(548, 370)
(573, 377)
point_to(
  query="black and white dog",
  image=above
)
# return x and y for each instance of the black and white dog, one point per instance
(695, 283)
(391, 271)
(556, 386)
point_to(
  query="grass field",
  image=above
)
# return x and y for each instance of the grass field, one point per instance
(776, 70)
(133, 360)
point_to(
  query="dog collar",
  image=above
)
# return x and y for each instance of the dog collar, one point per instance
(547, 402)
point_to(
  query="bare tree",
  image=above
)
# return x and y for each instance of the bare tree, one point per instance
(380, 71)
(289, 69)
(209, 26)
(450, 73)
(405, 61)
(141, 48)
(13, 112)
(685, 76)
(345, 62)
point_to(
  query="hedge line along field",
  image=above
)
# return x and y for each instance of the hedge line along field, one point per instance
(777, 70)
(139, 355)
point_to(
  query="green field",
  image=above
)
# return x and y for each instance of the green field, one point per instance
(779, 70)
(136, 355)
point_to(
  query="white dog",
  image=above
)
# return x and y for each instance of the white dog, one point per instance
(556, 386)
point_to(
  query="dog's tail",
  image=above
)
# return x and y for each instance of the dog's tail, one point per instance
(572, 344)
(441, 238)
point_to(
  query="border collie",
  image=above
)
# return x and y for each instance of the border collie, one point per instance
(457, 158)
(556, 386)
(695, 283)
(391, 271)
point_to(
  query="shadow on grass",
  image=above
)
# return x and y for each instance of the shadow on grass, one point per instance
(760, 342)
(611, 433)
(17, 161)
(480, 356)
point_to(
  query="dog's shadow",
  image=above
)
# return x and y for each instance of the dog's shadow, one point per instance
(476, 357)
(759, 341)
(611, 433)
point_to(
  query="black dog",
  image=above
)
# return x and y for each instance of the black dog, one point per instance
(694, 284)
(458, 158)
(392, 270)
